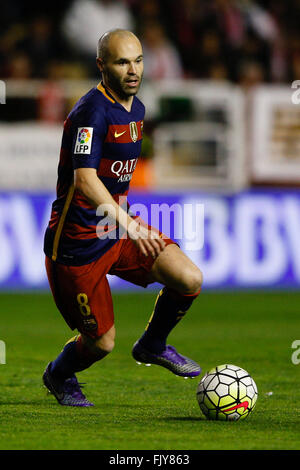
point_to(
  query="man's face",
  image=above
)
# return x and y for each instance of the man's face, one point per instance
(122, 71)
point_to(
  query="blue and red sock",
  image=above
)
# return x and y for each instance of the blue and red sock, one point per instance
(170, 307)
(74, 357)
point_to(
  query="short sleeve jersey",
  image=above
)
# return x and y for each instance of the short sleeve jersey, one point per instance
(98, 133)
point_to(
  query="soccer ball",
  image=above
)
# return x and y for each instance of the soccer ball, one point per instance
(227, 393)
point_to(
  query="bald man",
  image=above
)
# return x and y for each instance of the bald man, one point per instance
(92, 233)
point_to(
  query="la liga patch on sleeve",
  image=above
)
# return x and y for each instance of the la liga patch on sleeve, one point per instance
(84, 138)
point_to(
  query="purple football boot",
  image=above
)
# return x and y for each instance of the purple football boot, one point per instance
(67, 393)
(169, 358)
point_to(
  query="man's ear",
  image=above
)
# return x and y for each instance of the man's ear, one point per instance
(99, 63)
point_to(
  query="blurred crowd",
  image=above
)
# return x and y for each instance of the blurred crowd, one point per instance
(242, 41)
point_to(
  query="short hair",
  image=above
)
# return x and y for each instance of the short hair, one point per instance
(103, 43)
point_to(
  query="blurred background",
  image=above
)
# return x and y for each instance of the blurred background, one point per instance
(221, 129)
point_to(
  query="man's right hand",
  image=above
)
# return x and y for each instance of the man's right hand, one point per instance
(148, 241)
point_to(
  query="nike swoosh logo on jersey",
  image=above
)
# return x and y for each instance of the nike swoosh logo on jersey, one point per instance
(119, 134)
(245, 405)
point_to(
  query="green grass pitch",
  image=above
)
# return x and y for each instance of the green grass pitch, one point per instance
(141, 408)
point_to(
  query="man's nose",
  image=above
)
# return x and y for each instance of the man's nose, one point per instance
(132, 68)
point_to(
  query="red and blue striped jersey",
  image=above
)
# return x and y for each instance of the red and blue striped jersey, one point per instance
(98, 133)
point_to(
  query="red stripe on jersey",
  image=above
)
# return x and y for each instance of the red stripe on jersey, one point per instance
(123, 134)
(101, 232)
(76, 231)
(81, 201)
(72, 230)
(54, 220)
(116, 168)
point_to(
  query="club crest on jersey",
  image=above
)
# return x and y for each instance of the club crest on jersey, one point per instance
(133, 131)
(83, 143)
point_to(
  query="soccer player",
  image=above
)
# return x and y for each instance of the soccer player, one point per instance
(100, 147)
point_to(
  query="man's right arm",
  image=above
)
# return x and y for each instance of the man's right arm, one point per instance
(91, 187)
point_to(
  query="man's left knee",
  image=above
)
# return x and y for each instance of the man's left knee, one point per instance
(192, 281)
